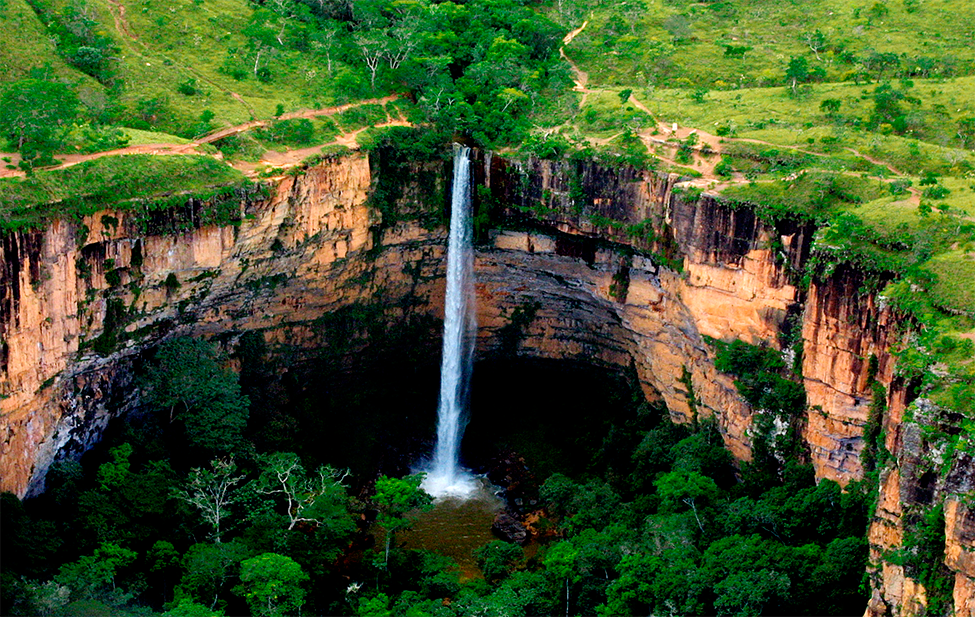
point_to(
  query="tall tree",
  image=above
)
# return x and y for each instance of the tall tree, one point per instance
(395, 498)
(35, 115)
(188, 380)
(272, 585)
(310, 497)
(212, 492)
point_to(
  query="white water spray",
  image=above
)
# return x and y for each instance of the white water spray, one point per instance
(446, 477)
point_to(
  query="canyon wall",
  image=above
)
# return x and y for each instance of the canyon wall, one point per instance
(87, 298)
(307, 250)
(616, 267)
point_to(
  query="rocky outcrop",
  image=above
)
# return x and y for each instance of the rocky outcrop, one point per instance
(703, 268)
(89, 297)
(105, 284)
(911, 485)
(609, 266)
(843, 327)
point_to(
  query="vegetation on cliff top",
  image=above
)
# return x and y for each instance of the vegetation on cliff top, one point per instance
(122, 182)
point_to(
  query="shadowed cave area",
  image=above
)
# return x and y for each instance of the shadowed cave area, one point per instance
(585, 467)
(375, 411)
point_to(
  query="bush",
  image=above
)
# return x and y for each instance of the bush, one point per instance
(188, 87)
(295, 132)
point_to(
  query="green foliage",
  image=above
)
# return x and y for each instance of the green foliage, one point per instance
(847, 240)
(79, 38)
(360, 116)
(888, 109)
(498, 559)
(272, 584)
(313, 499)
(777, 399)
(93, 576)
(395, 498)
(189, 608)
(295, 132)
(923, 558)
(116, 316)
(799, 72)
(188, 383)
(112, 475)
(682, 489)
(809, 195)
(403, 155)
(209, 570)
(511, 334)
(35, 116)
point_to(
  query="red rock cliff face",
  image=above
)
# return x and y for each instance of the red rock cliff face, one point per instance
(305, 251)
(309, 249)
(702, 269)
(710, 271)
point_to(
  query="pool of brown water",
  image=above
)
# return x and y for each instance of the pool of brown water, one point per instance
(457, 527)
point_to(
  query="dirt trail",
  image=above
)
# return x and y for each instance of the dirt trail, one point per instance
(867, 157)
(580, 77)
(305, 113)
(117, 9)
(276, 159)
(292, 158)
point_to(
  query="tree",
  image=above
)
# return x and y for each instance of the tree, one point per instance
(94, 575)
(746, 593)
(113, 474)
(560, 560)
(816, 42)
(373, 48)
(189, 608)
(966, 131)
(395, 497)
(163, 560)
(797, 72)
(830, 106)
(188, 381)
(35, 115)
(264, 32)
(212, 491)
(888, 109)
(324, 39)
(497, 559)
(208, 568)
(272, 585)
(308, 496)
(686, 487)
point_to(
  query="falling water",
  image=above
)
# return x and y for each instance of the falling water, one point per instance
(446, 477)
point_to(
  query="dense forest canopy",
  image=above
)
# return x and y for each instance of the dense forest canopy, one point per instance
(184, 513)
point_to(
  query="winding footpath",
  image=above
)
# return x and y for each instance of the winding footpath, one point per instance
(270, 158)
(707, 150)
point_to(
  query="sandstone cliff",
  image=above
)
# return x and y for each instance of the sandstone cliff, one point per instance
(624, 268)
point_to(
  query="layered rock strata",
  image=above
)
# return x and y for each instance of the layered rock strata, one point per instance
(617, 267)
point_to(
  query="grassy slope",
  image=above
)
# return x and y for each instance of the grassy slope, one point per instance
(672, 57)
(164, 44)
(106, 182)
(24, 44)
(774, 30)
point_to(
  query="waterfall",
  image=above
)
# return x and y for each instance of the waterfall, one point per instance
(445, 476)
